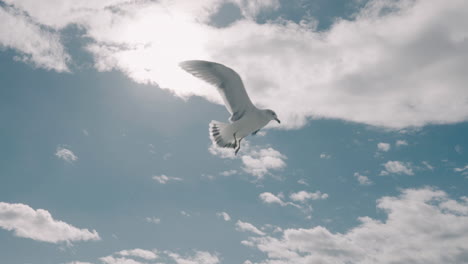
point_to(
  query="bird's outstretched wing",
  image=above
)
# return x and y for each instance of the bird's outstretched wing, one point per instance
(227, 81)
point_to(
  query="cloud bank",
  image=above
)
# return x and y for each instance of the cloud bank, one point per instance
(395, 64)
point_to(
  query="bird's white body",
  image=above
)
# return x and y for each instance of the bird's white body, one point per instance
(245, 117)
(248, 124)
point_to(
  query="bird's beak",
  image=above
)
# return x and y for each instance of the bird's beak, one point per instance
(277, 120)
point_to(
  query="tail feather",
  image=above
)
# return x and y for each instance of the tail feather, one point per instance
(220, 133)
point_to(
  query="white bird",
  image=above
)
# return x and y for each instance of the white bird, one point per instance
(245, 118)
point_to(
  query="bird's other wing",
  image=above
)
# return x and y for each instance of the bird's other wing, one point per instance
(227, 81)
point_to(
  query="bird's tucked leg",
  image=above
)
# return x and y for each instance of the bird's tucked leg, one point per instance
(236, 144)
(255, 132)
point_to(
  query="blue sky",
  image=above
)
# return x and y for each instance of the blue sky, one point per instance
(106, 157)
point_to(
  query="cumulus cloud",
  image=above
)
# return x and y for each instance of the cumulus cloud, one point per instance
(65, 154)
(224, 215)
(256, 161)
(244, 226)
(397, 167)
(261, 162)
(382, 146)
(394, 64)
(163, 179)
(268, 197)
(422, 226)
(363, 180)
(303, 196)
(39, 225)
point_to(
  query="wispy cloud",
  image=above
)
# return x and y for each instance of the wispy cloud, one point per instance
(244, 226)
(39, 225)
(35, 44)
(325, 156)
(144, 256)
(153, 220)
(463, 170)
(303, 182)
(427, 165)
(138, 252)
(163, 179)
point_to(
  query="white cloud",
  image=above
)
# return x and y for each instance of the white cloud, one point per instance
(117, 260)
(137, 252)
(163, 179)
(153, 220)
(303, 196)
(39, 225)
(65, 154)
(251, 8)
(256, 161)
(79, 262)
(325, 156)
(34, 44)
(224, 215)
(261, 162)
(184, 213)
(363, 180)
(422, 226)
(228, 173)
(200, 257)
(459, 149)
(399, 143)
(268, 197)
(303, 182)
(244, 226)
(428, 166)
(224, 153)
(397, 167)
(395, 64)
(382, 146)
(464, 170)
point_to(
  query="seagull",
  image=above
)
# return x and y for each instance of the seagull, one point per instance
(245, 118)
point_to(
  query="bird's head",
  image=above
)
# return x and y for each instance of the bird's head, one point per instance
(273, 115)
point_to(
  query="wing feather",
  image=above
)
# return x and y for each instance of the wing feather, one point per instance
(227, 81)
